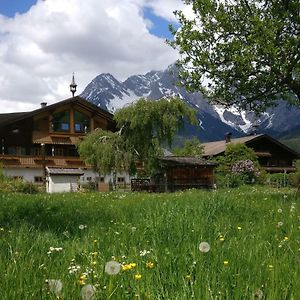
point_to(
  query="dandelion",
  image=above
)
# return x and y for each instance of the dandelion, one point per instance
(128, 267)
(286, 238)
(279, 210)
(204, 247)
(239, 228)
(279, 224)
(149, 265)
(258, 294)
(88, 292)
(112, 267)
(54, 286)
(221, 238)
(144, 252)
(81, 227)
(225, 262)
(137, 276)
(82, 279)
(270, 267)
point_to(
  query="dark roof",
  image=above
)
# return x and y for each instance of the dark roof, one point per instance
(13, 117)
(218, 147)
(5, 118)
(186, 160)
(62, 171)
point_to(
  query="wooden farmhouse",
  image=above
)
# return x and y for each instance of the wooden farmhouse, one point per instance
(272, 155)
(47, 137)
(178, 173)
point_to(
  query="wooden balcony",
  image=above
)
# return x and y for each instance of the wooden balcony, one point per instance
(20, 161)
(54, 138)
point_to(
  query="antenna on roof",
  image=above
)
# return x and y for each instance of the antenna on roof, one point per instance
(73, 86)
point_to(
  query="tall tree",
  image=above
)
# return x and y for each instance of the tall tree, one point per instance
(242, 52)
(143, 128)
(191, 147)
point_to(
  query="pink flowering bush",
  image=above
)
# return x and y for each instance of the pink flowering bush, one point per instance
(247, 170)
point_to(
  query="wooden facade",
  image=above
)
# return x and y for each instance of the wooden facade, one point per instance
(178, 173)
(272, 155)
(49, 135)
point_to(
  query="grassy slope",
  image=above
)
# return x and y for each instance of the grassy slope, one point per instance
(260, 254)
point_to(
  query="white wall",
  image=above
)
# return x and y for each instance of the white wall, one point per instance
(60, 183)
(107, 177)
(27, 174)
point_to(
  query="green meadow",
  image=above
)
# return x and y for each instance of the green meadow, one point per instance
(253, 234)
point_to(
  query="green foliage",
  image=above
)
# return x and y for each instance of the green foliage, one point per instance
(191, 147)
(243, 227)
(239, 165)
(278, 180)
(143, 128)
(294, 178)
(106, 151)
(244, 53)
(10, 185)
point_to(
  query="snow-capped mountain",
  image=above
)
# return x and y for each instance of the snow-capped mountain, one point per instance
(108, 93)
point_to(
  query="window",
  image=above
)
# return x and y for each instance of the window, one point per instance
(16, 150)
(61, 121)
(89, 179)
(121, 179)
(81, 122)
(38, 179)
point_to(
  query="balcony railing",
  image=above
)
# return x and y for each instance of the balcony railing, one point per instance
(20, 161)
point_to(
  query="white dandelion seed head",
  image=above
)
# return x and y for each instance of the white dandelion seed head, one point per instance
(54, 285)
(258, 294)
(88, 292)
(279, 224)
(112, 267)
(204, 247)
(279, 210)
(81, 226)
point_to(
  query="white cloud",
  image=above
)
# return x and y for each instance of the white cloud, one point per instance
(40, 49)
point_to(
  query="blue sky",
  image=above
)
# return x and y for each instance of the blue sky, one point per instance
(160, 26)
(10, 7)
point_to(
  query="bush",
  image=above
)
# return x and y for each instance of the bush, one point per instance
(10, 185)
(294, 179)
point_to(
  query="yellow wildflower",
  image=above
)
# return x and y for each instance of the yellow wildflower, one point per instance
(239, 228)
(225, 262)
(286, 238)
(149, 265)
(137, 276)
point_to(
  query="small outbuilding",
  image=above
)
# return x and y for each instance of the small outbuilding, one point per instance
(178, 173)
(59, 180)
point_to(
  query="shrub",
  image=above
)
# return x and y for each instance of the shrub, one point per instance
(238, 166)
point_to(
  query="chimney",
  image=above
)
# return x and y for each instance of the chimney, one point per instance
(43, 104)
(228, 137)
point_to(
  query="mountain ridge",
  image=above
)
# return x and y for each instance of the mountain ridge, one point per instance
(215, 121)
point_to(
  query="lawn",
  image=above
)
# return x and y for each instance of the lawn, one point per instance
(253, 235)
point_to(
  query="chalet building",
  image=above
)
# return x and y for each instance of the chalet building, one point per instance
(178, 173)
(272, 155)
(47, 137)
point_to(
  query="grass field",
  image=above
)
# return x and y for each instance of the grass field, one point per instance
(253, 233)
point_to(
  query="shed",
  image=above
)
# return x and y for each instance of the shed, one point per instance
(177, 173)
(60, 180)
